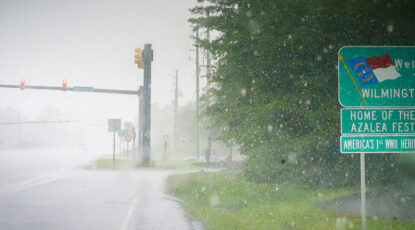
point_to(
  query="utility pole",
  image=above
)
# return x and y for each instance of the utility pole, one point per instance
(147, 59)
(207, 51)
(208, 73)
(197, 98)
(176, 95)
(18, 130)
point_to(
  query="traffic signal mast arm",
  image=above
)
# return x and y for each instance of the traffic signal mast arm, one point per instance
(78, 89)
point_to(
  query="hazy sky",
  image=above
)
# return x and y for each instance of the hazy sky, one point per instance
(91, 43)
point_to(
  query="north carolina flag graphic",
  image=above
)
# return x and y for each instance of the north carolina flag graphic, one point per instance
(374, 69)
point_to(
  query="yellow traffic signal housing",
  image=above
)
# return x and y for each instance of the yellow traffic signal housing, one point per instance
(22, 83)
(139, 58)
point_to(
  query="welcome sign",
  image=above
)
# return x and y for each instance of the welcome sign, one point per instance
(377, 76)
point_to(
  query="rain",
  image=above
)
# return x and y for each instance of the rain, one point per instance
(207, 114)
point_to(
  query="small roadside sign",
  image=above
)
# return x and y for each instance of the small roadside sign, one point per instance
(128, 138)
(128, 127)
(121, 133)
(114, 125)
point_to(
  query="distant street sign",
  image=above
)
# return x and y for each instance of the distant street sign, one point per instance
(128, 138)
(378, 121)
(183, 138)
(83, 89)
(121, 133)
(128, 127)
(378, 144)
(380, 76)
(114, 125)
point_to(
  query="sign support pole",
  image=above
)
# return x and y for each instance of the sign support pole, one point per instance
(363, 190)
(113, 152)
(128, 144)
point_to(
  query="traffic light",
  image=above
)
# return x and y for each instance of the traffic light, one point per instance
(22, 83)
(64, 84)
(139, 58)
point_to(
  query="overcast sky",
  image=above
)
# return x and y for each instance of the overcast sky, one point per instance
(91, 43)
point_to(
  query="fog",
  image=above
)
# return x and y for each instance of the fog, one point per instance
(90, 43)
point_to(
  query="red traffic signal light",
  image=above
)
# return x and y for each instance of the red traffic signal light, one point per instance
(64, 84)
(22, 83)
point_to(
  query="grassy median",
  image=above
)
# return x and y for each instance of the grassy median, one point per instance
(225, 200)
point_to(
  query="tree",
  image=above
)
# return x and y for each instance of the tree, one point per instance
(274, 85)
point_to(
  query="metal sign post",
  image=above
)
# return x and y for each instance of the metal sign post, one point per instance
(376, 82)
(114, 125)
(363, 190)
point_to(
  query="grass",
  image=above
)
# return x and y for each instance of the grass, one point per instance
(225, 200)
(123, 163)
(106, 163)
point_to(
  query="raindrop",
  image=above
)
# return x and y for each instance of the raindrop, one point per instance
(243, 92)
(390, 28)
(214, 200)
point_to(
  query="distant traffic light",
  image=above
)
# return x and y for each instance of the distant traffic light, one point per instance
(64, 84)
(139, 58)
(22, 83)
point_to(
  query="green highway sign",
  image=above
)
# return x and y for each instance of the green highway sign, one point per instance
(378, 121)
(378, 76)
(377, 144)
(83, 89)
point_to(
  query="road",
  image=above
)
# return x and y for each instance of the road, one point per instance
(38, 194)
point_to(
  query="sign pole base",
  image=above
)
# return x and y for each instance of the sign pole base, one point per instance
(363, 189)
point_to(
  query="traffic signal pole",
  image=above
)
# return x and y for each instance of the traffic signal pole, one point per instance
(147, 59)
(78, 89)
(140, 124)
(143, 59)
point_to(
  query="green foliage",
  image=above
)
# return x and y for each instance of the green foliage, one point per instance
(274, 84)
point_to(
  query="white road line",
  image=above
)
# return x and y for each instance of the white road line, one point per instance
(127, 218)
(36, 181)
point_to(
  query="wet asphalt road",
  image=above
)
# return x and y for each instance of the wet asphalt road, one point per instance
(74, 198)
